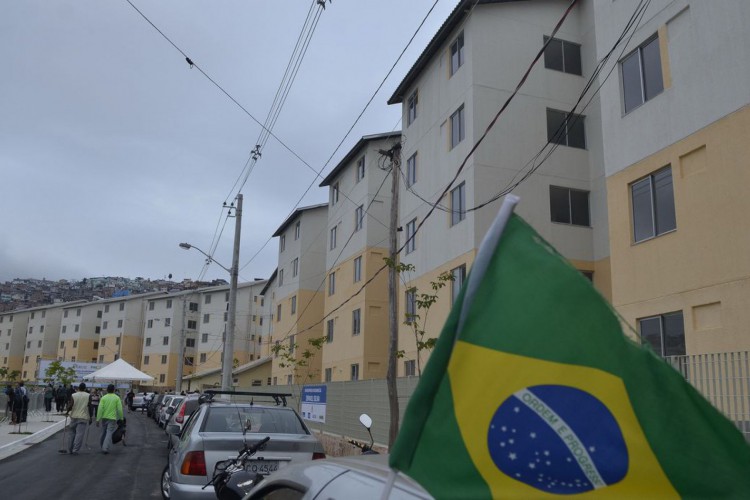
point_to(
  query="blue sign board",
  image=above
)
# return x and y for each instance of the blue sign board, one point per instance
(314, 403)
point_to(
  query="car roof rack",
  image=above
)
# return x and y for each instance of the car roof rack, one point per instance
(278, 397)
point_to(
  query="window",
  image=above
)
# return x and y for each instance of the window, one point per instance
(296, 231)
(105, 323)
(151, 305)
(411, 170)
(167, 321)
(355, 372)
(459, 275)
(356, 321)
(411, 305)
(146, 359)
(458, 204)
(189, 342)
(289, 379)
(192, 324)
(328, 374)
(104, 342)
(641, 74)
(204, 337)
(122, 306)
(291, 344)
(411, 232)
(562, 55)
(117, 340)
(119, 323)
(101, 358)
(169, 303)
(282, 243)
(664, 333)
(281, 277)
(62, 345)
(76, 328)
(207, 299)
(96, 345)
(165, 340)
(295, 267)
(360, 169)
(99, 314)
(332, 283)
(565, 131)
(226, 298)
(410, 368)
(41, 329)
(329, 331)
(202, 357)
(358, 269)
(106, 308)
(293, 306)
(64, 328)
(411, 108)
(162, 378)
(39, 343)
(206, 316)
(653, 205)
(31, 329)
(359, 217)
(334, 193)
(569, 206)
(333, 237)
(457, 53)
(75, 344)
(164, 359)
(65, 315)
(149, 324)
(193, 306)
(278, 313)
(457, 127)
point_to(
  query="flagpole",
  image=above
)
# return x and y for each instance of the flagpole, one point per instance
(484, 256)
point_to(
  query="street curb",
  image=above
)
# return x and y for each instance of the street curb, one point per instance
(22, 444)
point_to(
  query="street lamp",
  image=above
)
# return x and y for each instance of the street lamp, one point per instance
(226, 365)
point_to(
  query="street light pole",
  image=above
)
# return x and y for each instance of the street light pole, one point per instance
(227, 364)
(228, 361)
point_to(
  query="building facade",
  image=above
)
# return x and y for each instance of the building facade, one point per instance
(80, 329)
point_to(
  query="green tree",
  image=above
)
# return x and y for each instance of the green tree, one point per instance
(298, 360)
(13, 375)
(57, 373)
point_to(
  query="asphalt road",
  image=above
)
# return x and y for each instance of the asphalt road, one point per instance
(127, 472)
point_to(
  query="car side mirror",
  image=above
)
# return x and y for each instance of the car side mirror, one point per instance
(366, 420)
(170, 410)
(173, 429)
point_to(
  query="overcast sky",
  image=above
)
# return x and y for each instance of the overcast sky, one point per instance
(113, 150)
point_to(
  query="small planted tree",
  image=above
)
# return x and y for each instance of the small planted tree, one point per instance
(56, 373)
(299, 361)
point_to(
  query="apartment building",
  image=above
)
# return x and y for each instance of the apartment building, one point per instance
(13, 329)
(449, 97)
(42, 336)
(80, 329)
(212, 318)
(122, 328)
(298, 295)
(675, 136)
(356, 324)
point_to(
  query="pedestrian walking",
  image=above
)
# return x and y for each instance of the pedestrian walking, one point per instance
(60, 399)
(79, 418)
(129, 397)
(20, 403)
(94, 404)
(49, 395)
(109, 412)
(9, 406)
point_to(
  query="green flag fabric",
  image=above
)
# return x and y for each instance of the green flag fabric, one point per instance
(542, 395)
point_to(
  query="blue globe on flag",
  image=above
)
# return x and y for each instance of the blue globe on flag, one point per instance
(558, 439)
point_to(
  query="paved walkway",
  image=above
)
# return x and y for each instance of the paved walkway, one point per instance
(38, 427)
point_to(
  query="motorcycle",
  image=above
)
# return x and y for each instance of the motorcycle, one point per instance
(366, 448)
(230, 479)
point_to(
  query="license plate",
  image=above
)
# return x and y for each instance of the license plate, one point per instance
(262, 466)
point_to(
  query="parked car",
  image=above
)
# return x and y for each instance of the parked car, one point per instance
(141, 401)
(218, 429)
(182, 413)
(152, 405)
(362, 476)
(168, 409)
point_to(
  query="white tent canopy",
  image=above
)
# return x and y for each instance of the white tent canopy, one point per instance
(118, 371)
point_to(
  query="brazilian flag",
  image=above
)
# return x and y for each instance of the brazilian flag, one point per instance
(539, 394)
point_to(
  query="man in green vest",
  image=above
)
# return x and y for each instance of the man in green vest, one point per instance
(109, 411)
(78, 410)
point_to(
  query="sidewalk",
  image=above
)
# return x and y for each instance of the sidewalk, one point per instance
(38, 427)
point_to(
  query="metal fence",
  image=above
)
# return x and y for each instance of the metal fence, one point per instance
(723, 379)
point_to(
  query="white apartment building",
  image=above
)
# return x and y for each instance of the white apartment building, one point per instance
(42, 336)
(122, 327)
(80, 329)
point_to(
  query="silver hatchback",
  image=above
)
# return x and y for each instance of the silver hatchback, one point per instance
(217, 430)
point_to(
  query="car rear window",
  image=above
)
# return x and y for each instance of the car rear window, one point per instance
(256, 419)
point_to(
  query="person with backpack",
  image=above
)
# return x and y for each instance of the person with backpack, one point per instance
(78, 408)
(109, 412)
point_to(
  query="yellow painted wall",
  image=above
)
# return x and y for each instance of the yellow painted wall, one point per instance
(369, 349)
(246, 378)
(701, 268)
(306, 320)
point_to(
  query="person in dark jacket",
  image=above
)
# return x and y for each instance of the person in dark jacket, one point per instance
(49, 395)
(9, 407)
(60, 399)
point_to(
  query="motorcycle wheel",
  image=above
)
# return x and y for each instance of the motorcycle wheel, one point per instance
(165, 483)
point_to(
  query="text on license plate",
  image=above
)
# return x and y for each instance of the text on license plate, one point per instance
(262, 466)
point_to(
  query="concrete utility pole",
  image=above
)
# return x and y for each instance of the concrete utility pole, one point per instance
(181, 362)
(227, 364)
(395, 155)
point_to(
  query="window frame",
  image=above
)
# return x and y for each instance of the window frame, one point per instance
(357, 269)
(356, 321)
(359, 218)
(459, 277)
(642, 78)
(456, 53)
(332, 283)
(655, 202)
(411, 236)
(664, 334)
(354, 372)
(561, 135)
(411, 170)
(458, 118)
(411, 107)
(570, 211)
(563, 52)
(330, 329)
(332, 237)
(458, 215)
(334, 193)
(360, 175)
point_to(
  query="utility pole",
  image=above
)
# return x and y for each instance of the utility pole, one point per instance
(226, 366)
(181, 361)
(395, 155)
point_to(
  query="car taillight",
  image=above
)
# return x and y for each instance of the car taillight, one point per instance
(180, 416)
(318, 455)
(194, 464)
